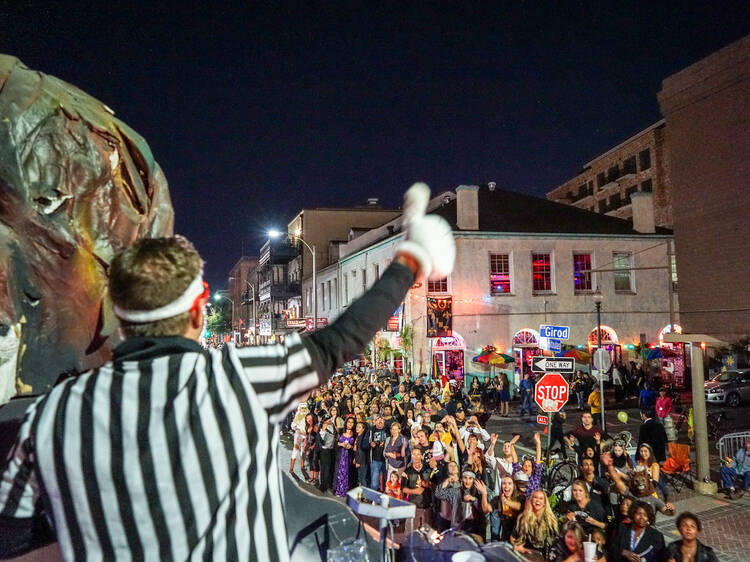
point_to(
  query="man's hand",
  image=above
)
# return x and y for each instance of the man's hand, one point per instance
(537, 439)
(428, 239)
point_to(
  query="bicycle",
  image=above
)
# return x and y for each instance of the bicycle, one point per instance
(716, 423)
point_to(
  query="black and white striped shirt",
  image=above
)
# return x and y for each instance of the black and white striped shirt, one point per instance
(168, 452)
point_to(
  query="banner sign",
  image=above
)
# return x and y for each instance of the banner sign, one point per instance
(394, 321)
(439, 317)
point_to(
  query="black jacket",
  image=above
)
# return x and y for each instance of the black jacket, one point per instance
(652, 432)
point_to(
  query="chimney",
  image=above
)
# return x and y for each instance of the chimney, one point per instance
(643, 212)
(467, 207)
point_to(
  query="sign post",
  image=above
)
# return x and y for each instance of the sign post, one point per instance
(553, 364)
(551, 394)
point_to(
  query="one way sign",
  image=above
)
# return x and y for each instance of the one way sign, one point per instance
(553, 365)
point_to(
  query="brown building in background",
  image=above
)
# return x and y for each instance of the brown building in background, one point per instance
(606, 183)
(242, 273)
(706, 108)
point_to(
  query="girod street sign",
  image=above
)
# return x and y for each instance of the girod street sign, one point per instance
(551, 392)
(556, 332)
(553, 364)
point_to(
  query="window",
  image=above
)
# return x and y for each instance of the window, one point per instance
(622, 262)
(376, 269)
(346, 288)
(336, 292)
(629, 191)
(600, 179)
(364, 280)
(329, 295)
(647, 186)
(645, 157)
(628, 167)
(603, 206)
(500, 274)
(613, 173)
(438, 286)
(582, 273)
(615, 201)
(541, 273)
(323, 296)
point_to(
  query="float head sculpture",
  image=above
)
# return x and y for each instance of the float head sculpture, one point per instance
(76, 185)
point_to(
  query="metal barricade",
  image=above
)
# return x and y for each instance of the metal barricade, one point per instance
(730, 443)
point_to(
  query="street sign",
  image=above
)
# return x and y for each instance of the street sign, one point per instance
(557, 332)
(554, 345)
(602, 360)
(542, 420)
(551, 392)
(553, 364)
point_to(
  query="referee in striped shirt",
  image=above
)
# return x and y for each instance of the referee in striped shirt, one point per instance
(168, 452)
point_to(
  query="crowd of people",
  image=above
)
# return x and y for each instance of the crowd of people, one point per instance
(426, 442)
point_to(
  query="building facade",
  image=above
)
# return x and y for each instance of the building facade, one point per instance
(513, 273)
(326, 229)
(706, 108)
(239, 277)
(606, 183)
(275, 288)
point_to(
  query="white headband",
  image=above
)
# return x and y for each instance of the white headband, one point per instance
(183, 303)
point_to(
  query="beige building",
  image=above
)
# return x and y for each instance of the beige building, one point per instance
(239, 277)
(521, 262)
(606, 183)
(326, 229)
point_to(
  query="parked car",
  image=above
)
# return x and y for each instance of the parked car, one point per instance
(729, 387)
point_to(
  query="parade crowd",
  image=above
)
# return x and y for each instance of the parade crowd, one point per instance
(425, 442)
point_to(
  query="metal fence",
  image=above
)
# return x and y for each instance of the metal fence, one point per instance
(730, 443)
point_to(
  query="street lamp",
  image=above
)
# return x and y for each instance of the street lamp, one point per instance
(598, 299)
(276, 234)
(218, 297)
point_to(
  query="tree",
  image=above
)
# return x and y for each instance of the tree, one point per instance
(407, 343)
(219, 322)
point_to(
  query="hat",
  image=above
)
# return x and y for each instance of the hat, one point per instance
(521, 476)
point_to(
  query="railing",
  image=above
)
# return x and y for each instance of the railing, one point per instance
(730, 443)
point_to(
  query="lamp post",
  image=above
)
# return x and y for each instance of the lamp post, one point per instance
(218, 297)
(275, 234)
(598, 299)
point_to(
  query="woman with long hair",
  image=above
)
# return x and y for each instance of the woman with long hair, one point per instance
(646, 461)
(536, 527)
(310, 452)
(583, 509)
(504, 394)
(505, 509)
(298, 427)
(344, 465)
(621, 459)
(569, 546)
(395, 450)
(638, 540)
(336, 419)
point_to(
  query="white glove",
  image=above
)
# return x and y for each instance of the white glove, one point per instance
(427, 238)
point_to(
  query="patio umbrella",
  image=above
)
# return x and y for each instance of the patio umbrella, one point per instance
(501, 359)
(577, 354)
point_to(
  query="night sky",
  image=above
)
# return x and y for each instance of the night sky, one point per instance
(254, 110)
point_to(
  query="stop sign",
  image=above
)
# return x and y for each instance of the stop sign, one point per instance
(551, 392)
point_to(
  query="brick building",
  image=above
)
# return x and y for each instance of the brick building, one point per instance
(706, 108)
(606, 183)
